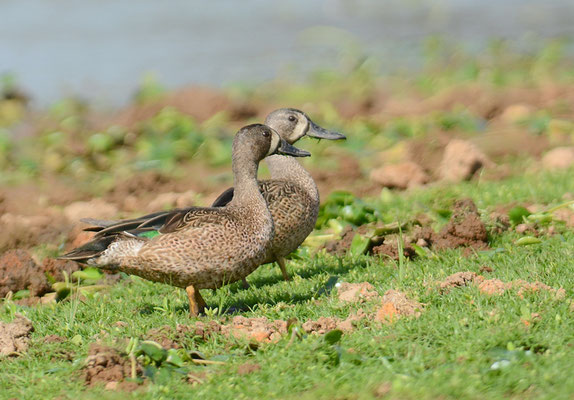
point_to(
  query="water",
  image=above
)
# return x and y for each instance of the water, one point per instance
(100, 50)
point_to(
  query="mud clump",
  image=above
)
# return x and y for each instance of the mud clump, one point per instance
(321, 326)
(496, 287)
(54, 268)
(15, 336)
(257, 329)
(356, 292)
(19, 271)
(465, 229)
(341, 246)
(106, 364)
(392, 250)
(458, 279)
(396, 304)
(461, 160)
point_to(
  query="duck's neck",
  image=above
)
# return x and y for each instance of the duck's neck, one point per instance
(288, 169)
(246, 188)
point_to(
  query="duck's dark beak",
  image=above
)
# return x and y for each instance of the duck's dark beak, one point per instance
(315, 131)
(289, 150)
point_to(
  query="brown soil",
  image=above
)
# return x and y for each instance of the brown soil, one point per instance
(400, 176)
(496, 286)
(54, 339)
(356, 292)
(19, 271)
(465, 229)
(341, 246)
(27, 231)
(391, 249)
(248, 368)
(396, 304)
(256, 329)
(461, 160)
(106, 364)
(199, 102)
(457, 280)
(15, 336)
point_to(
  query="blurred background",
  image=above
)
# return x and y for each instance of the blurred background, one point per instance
(100, 51)
(109, 109)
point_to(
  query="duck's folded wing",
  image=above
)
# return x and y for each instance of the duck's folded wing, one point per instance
(162, 222)
(224, 198)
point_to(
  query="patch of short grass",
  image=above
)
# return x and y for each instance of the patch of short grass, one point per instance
(464, 345)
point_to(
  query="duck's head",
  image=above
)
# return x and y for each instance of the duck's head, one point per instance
(292, 125)
(261, 141)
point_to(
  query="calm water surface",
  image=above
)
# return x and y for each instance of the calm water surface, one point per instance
(100, 50)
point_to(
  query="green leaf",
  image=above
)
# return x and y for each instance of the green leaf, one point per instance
(174, 358)
(333, 337)
(359, 245)
(527, 240)
(517, 215)
(93, 274)
(21, 294)
(153, 350)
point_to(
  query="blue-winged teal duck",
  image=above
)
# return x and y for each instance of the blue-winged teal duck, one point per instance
(198, 248)
(291, 193)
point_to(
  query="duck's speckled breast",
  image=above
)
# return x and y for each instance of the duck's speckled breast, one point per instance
(294, 214)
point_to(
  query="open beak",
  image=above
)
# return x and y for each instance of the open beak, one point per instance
(289, 150)
(316, 131)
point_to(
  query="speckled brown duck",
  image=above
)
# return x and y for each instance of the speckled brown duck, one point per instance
(291, 193)
(198, 248)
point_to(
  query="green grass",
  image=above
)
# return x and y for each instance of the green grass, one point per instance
(449, 352)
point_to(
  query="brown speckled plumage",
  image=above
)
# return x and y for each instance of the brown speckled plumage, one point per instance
(198, 248)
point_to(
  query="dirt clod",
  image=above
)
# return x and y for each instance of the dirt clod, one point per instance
(461, 160)
(465, 229)
(392, 250)
(457, 280)
(321, 326)
(400, 176)
(257, 329)
(396, 304)
(360, 292)
(19, 271)
(15, 336)
(106, 364)
(497, 286)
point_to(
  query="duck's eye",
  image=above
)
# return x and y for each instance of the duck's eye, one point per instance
(266, 133)
(292, 118)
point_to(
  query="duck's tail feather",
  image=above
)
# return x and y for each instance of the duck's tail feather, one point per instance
(93, 248)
